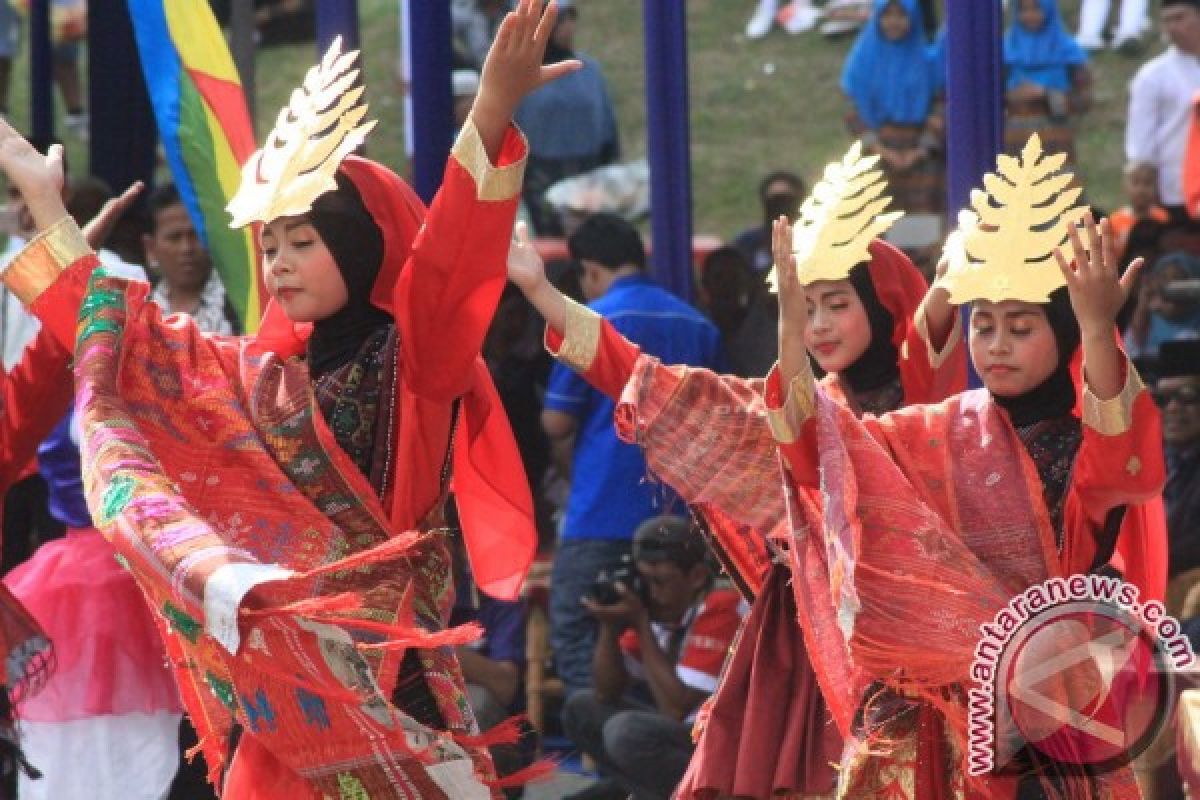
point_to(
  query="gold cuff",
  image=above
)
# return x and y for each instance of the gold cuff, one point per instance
(953, 339)
(39, 263)
(492, 183)
(1115, 416)
(799, 405)
(581, 337)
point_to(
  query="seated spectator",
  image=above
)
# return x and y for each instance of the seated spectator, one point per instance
(797, 16)
(889, 78)
(494, 665)
(187, 282)
(474, 24)
(1162, 314)
(570, 124)
(1133, 21)
(1177, 393)
(780, 193)
(1047, 79)
(465, 83)
(658, 656)
(1141, 194)
(609, 494)
(743, 309)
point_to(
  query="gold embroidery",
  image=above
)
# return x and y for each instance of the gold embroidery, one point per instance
(1115, 416)
(492, 183)
(39, 263)
(798, 406)
(1133, 466)
(581, 339)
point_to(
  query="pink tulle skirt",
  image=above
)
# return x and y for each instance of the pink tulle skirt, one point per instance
(110, 658)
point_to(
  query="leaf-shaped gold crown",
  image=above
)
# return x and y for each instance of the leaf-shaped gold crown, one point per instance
(840, 219)
(1004, 247)
(321, 125)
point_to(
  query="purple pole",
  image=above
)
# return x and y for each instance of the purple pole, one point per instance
(668, 143)
(337, 18)
(430, 35)
(41, 76)
(974, 102)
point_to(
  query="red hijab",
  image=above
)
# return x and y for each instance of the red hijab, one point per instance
(491, 489)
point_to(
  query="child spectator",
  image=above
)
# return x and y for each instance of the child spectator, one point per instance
(1047, 80)
(1141, 191)
(889, 79)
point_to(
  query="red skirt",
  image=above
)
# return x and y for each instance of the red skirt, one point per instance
(110, 658)
(769, 731)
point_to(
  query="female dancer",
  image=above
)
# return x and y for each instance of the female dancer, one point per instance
(280, 497)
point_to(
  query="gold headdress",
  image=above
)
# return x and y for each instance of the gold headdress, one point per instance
(317, 129)
(840, 218)
(1004, 247)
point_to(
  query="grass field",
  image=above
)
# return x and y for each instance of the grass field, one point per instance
(756, 105)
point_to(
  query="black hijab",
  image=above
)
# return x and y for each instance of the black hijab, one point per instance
(1055, 396)
(879, 363)
(356, 244)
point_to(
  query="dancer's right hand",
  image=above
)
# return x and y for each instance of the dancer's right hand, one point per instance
(793, 303)
(39, 178)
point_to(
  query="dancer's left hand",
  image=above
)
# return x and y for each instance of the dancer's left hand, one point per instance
(1098, 291)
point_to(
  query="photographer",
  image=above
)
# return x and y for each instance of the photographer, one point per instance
(664, 633)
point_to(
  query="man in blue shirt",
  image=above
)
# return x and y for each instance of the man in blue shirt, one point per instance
(611, 493)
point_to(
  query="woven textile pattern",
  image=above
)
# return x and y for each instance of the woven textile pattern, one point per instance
(198, 454)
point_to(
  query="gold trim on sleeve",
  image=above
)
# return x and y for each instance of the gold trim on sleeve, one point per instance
(40, 262)
(799, 405)
(493, 184)
(581, 337)
(1115, 416)
(953, 339)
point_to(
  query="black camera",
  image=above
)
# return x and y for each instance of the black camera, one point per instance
(604, 589)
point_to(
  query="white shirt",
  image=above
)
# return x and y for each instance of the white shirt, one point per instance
(17, 326)
(1160, 111)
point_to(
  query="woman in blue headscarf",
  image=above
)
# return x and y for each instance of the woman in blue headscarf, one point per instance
(1047, 80)
(889, 78)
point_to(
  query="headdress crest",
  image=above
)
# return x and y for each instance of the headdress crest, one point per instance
(321, 124)
(841, 217)
(1004, 246)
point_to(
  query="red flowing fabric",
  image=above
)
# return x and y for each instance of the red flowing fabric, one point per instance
(901, 288)
(491, 488)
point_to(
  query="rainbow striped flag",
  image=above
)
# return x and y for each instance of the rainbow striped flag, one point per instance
(206, 132)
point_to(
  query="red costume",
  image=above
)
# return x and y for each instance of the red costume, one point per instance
(210, 465)
(767, 730)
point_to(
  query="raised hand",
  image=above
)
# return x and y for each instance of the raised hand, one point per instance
(1097, 290)
(793, 303)
(525, 267)
(98, 228)
(1097, 294)
(513, 67)
(39, 178)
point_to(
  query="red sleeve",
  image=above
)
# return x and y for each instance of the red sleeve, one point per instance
(35, 396)
(1116, 470)
(57, 308)
(614, 362)
(447, 293)
(799, 454)
(709, 640)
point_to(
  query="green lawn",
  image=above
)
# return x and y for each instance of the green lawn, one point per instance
(755, 105)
